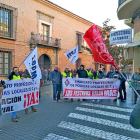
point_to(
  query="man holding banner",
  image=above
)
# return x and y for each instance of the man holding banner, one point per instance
(13, 76)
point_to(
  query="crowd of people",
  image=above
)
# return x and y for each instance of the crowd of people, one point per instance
(56, 78)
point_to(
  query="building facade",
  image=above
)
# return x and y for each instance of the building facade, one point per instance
(129, 10)
(25, 24)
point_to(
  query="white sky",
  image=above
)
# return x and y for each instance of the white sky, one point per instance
(96, 11)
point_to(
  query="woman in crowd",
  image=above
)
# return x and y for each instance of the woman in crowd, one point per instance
(136, 84)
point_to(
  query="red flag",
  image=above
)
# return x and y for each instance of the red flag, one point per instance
(98, 47)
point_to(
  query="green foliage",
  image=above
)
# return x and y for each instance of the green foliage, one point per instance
(117, 52)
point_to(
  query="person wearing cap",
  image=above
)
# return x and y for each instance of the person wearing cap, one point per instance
(66, 74)
(89, 71)
(56, 78)
(109, 74)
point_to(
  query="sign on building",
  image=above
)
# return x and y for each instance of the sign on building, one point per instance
(121, 37)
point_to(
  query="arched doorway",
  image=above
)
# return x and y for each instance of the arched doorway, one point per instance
(44, 61)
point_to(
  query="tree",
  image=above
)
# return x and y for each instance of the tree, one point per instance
(117, 52)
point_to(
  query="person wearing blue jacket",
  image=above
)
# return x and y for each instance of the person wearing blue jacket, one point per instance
(56, 78)
(109, 74)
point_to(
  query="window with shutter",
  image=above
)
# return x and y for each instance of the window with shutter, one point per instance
(5, 62)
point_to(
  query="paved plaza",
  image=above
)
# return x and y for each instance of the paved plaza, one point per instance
(72, 120)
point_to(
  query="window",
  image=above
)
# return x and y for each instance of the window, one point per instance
(8, 21)
(45, 32)
(5, 22)
(5, 62)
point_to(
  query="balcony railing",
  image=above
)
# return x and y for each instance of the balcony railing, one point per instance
(120, 2)
(49, 41)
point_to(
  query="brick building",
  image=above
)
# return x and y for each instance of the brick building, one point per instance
(27, 23)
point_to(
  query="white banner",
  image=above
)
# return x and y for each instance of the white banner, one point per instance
(31, 63)
(121, 37)
(90, 89)
(72, 55)
(19, 95)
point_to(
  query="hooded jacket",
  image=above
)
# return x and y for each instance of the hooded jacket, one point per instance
(82, 73)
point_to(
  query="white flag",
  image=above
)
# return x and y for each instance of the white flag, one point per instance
(31, 63)
(72, 55)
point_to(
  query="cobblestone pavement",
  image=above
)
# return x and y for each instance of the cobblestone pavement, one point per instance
(72, 121)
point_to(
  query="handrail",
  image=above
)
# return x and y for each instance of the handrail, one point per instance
(45, 40)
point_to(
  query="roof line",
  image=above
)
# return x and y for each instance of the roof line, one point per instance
(70, 12)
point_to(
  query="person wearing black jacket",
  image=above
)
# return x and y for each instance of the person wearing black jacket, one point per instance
(82, 74)
(122, 86)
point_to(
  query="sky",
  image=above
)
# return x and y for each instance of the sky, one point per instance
(96, 11)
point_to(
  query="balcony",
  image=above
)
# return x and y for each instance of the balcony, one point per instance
(47, 41)
(126, 8)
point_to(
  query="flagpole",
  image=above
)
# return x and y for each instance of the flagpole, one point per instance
(130, 84)
(26, 57)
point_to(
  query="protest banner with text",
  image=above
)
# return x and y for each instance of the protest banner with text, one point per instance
(19, 95)
(90, 89)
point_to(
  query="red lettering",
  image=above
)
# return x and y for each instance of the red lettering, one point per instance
(32, 99)
(37, 96)
(24, 101)
(28, 97)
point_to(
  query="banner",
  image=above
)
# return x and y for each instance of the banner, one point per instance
(31, 63)
(121, 37)
(98, 47)
(19, 95)
(90, 89)
(72, 55)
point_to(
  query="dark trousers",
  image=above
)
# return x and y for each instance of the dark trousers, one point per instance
(56, 91)
(122, 88)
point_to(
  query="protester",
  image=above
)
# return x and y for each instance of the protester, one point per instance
(100, 74)
(117, 75)
(82, 73)
(122, 86)
(26, 75)
(13, 76)
(43, 76)
(72, 71)
(2, 86)
(21, 72)
(97, 75)
(75, 73)
(104, 72)
(89, 71)
(109, 74)
(67, 73)
(0, 110)
(56, 77)
(136, 83)
(48, 74)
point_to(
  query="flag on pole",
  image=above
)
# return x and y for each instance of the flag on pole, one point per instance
(98, 47)
(72, 55)
(31, 63)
